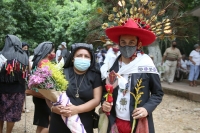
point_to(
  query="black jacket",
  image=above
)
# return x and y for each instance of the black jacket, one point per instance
(152, 96)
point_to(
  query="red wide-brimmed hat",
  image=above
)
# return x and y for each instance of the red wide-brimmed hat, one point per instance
(131, 28)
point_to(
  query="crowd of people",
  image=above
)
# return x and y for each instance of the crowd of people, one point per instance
(177, 66)
(121, 63)
(87, 73)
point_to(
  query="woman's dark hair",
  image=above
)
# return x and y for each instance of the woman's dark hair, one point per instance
(25, 44)
(41, 51)
(53, 47)
(77, 46)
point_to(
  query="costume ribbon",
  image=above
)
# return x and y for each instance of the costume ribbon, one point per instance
(9, 69)
(108, 95)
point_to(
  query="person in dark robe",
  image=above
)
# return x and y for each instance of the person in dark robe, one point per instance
(43, 53)
(84, 89)
(13, 72)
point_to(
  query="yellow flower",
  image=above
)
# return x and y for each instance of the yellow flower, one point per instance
(121, 3)
(132, 1)
(99, 10)
(167, 27)
(158, 33)
(154, 18)
(119, 14)
(122, 20)
(172, 37)
(144, 2)
(162, 37)
(152, 5)
(131, 11)
(168, 31)
(161, 12)
(166, 24)
(111, 17)
(104, 25)
(159, 25)
(125, 11)
(115, 9)
(137, 15)
(147, 21)
(58, 76)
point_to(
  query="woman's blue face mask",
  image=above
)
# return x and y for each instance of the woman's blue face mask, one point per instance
(81, 64)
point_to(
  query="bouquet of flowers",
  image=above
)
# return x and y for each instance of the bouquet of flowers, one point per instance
(51, 83)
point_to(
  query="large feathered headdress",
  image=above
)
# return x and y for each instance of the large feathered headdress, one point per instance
(146, 14)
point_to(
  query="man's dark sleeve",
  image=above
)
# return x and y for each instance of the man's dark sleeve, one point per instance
(64, 53)
(103, 91)
(156, 93)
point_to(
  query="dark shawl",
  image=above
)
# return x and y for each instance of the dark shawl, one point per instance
(41, 51)
(13, 50)
(17, 59)
(27, 51)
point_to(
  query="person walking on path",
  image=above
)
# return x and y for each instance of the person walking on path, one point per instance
(25, 48)
(111, 55)
(12, 82)
(194, 58)
(58, 53)
(171, 56)
(64, 53)
(43, 53)
(133, 68)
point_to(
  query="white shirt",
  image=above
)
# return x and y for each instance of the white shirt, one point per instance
(122, 111)
(195, 57)
(30, 60)
(100, 58)
(184, 64)
(111, 57)
(58, 53)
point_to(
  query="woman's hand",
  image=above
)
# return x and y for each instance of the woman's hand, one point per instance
(193, 62)
(69, 110)
(106, 106)
(139, 113)
(57, 109)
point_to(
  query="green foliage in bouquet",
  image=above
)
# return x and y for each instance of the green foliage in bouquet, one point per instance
(58, 76)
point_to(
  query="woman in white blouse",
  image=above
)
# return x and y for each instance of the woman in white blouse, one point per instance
(194, 65)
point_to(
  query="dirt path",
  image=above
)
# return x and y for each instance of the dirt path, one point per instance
(173, 115)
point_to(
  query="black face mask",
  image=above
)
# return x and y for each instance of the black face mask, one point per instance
(174, 45)
(127, 51)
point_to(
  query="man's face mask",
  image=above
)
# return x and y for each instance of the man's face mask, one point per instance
(127, 51)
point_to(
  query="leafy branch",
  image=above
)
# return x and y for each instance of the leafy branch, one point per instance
(137, 97)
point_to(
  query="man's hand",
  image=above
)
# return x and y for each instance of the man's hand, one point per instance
(106, 106)
(139, 113)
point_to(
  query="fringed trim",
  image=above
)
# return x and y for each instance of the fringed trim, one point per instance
(12, 71)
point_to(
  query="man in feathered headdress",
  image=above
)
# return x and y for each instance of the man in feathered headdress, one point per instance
(138, 83)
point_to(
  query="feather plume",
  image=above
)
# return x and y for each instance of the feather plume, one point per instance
(152, 15)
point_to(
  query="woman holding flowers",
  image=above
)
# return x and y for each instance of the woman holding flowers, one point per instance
(84, 89)
(43, 53)
(13, 71)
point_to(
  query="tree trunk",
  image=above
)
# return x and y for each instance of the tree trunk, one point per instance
(155, 51)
